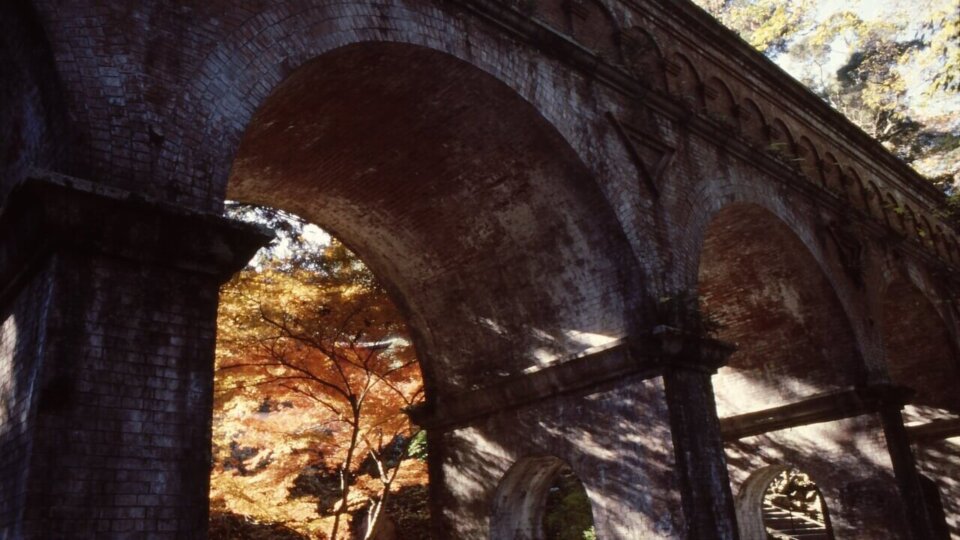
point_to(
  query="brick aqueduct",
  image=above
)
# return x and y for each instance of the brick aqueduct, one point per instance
(545, 186)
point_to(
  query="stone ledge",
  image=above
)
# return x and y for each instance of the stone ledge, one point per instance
(50, 212)
(663, 348)
(826, 407)
(934, 431)
(580, 374)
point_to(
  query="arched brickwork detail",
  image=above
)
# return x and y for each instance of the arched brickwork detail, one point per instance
(833, 175)
(875, 203)
(941, 243)
(910, 224)
(780, 140)
(684, 81)
(520, 499)
(644, 57)
(809, 160)
(720, 103)
(753, 124)
(594, 27)
(895, 214)
(191, 127)
(856, 191)
(927, 234)
(553, 12)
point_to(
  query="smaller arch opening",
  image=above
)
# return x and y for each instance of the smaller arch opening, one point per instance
(782, 502)
(541, 498)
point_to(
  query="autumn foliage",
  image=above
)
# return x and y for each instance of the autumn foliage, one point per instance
(314, 369)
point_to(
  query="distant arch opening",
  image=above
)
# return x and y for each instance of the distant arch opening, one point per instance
(780, 502)
(541, 498)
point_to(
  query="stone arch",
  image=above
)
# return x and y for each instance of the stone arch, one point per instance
(875, 203)
(921, 350)
(781, 139)
(32, 115)
(684, 81)
(926, 233)
(895, 214)
(771, 297)
(592, 24)
(942, 243)
(910, 225)
(720, 103)
(750, 501)
(753, 125)
(520, 498)
(257, 53)
(644, 57)
(809, 160)
(403, 161)
(832, 175)
(856, 192)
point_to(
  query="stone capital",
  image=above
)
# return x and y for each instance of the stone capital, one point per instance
(50, 213)
(675, 348)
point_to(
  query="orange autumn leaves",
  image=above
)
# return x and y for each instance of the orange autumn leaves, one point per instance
(314, 367)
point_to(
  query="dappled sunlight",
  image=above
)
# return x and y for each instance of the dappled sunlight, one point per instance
(817, 449)
(740, 391)
(8, 384)
(915, 414)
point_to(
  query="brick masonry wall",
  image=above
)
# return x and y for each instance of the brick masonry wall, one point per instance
(849, 462)
(584, 189)
(121, 439)
(616, 440)
(940, 462)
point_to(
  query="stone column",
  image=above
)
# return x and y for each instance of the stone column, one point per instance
(891, 400)
(689, 362)
(109, 307)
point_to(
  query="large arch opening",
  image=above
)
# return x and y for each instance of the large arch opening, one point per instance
(769, 296)
(541, 498)
(466, 203)
(472, 211)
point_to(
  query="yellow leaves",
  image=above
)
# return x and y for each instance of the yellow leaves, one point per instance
(311, 355)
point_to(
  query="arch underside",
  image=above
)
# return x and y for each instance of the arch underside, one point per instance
(462, 199)
(771, 299)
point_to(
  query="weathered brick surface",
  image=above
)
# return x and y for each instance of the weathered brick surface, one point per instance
(628, 477)
(529, 179)
(123, 406)
(849, 462)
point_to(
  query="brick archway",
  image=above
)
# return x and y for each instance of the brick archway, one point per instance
(772, 299)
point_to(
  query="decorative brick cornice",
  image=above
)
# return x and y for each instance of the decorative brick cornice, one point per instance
(50, 212)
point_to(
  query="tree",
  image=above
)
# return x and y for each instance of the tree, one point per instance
(308, 338)
(892, 73)
(767, 25)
